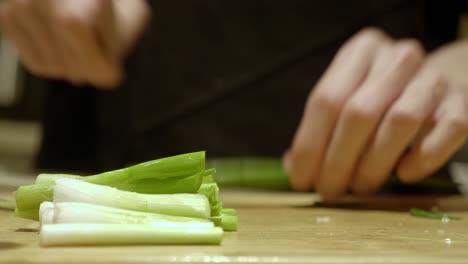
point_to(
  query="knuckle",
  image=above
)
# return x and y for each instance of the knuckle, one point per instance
(299, 153)
(405, 117)
(436, 80)
(326, 100)
(369, 37)
(459, 124)
(75, 19)
(409, 51)
(357, 110)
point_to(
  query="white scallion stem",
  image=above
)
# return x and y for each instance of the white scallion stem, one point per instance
(46, 213)
(184, 204)
(82, 213)
(118, 234)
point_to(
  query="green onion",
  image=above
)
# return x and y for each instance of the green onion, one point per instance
(176, 174)
(51, 177)
(29, 197)
(432, 215)
(223, 217)
(176, 166)
(229, 219)
(126, 234)
(167, 201)
(211, 191)
(28, 214)
(46, 213)
(184, 204)
(8, 204)
(216, 220)
(268, 173)
(189, 184)
(250, 172)
(81, 213)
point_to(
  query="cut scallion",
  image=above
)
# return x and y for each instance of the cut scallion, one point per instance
(7, 203)
(128, 234)
(173, 200)
(166, 175)
(227, 219)
(432, 215)
(184, 204)
(46, 213)
(82, 213)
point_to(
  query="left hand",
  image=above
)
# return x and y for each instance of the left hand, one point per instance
(379, 106)
(83, 42)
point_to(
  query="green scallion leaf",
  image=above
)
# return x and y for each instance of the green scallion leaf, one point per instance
(432, 215)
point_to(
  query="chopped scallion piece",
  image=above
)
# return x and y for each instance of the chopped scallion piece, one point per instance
(184, 204)
(7, 203)
(46, 213)
(426, 214)
(82, 213)
(126, 234)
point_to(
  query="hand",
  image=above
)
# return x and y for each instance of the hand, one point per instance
(379, 106)
(83, 41)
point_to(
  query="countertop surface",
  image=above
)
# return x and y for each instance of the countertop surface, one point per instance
(283, 228)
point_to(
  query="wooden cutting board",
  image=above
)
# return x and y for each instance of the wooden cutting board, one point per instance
(283, 228)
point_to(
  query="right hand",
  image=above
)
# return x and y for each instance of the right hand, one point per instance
(83, 42)
(382, 105)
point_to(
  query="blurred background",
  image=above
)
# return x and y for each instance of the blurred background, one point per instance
(21, 104)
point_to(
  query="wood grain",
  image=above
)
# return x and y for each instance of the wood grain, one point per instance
(282, 228)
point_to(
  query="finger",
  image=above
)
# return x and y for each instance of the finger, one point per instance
(398, 129)
(346, 72)
(20, 40)
(56, 15)
(108, 33)
(102, 72)
(393, 67)
(80, 34)
(77, 30)
(35, 26)
(120, 37)
(448, 135)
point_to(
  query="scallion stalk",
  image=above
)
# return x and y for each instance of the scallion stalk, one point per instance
(181, 173)
(46, 213)
(126, 234)
(7, 203)
(229, 219)
(178, 166)
(211, 191)
(51, 177)
(190, 205)
(250, 172)
(82, 213)
(189, 184)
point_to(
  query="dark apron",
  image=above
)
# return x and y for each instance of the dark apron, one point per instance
(228, 77)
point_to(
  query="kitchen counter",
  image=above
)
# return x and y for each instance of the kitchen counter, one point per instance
(283, 228)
